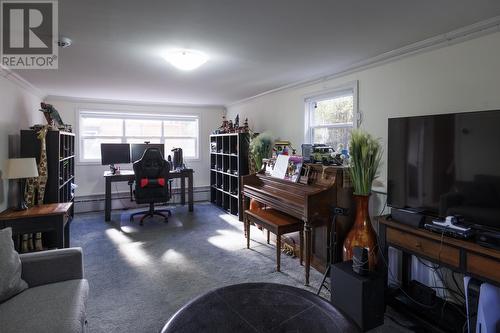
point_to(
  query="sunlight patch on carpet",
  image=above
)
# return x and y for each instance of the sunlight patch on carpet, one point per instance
(131, 251)
(228, 240)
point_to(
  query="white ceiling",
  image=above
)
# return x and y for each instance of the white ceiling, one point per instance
(254, 45)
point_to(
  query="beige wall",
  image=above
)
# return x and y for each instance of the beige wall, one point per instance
(89, 177)
(18, 110)
(460, 77)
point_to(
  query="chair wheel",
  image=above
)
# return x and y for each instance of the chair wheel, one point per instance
(165, 220)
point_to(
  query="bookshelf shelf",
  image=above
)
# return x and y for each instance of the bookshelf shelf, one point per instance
(60, 162)
(228, 162)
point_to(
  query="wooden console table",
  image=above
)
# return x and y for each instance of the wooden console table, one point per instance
(42, 218)
(462, 256)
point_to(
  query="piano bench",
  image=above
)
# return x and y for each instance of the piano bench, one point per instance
(276, 222)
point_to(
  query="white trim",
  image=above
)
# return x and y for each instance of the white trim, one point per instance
(84, 100)
(469, 32)
(9, 75)
(120, 200)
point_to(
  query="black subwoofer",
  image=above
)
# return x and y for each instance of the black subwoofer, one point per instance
(359, 297)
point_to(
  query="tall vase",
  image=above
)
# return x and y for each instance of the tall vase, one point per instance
(362, 233)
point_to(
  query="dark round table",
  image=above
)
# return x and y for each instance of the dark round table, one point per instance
(258, 307)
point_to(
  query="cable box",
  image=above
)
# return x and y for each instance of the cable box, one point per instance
(455, 233)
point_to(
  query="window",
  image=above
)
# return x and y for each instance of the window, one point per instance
(174, 131)
(331, 117)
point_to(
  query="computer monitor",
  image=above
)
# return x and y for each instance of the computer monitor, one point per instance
(138, 149)
(115, 153)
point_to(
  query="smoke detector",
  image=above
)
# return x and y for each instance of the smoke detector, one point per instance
(64, 42)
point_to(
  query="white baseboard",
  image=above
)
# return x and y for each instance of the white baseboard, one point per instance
(121, 200)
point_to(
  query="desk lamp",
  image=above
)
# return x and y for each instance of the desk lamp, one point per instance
(21, 168)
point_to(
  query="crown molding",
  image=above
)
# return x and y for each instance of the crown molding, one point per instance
(460, 35)
(85, 100)
(20, 82)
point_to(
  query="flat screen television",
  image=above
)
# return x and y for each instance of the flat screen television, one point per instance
(138, 149)
(447, 164)
(115, 153)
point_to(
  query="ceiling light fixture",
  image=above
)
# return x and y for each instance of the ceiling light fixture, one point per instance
(185, 59)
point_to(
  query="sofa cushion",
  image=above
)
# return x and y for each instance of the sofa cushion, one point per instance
(10, 266)
(55, 307)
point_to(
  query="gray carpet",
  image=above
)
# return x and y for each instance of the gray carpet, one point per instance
(139, 276)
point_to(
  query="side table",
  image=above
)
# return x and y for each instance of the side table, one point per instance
(53, 218)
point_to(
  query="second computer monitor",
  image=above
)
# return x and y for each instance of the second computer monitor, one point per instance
(138, 149)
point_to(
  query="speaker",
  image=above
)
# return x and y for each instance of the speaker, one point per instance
(360, 297)
(178, 159)
(412, 219)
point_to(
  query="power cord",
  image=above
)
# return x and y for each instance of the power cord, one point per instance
(457, 284)
(408, 326)
(389, 269)
(399, 287)
(435, 269)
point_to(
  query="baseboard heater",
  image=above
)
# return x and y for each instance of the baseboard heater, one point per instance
(126, 196)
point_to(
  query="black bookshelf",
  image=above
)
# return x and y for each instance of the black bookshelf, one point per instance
(60, 162)
(228, 162)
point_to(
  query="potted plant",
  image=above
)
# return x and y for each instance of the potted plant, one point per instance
(364, 160)
(261, 146)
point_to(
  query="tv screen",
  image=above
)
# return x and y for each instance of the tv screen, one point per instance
(115, 153)
(446, 164)
(139, 148)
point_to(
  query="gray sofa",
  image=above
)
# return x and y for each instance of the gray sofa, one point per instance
(56, 298)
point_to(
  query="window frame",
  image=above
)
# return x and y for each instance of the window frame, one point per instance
(339, 91)
(141, 115)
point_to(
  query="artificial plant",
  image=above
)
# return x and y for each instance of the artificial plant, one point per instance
(261, 146)
(364, 160)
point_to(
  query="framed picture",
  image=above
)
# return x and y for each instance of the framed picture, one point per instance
(294, 168)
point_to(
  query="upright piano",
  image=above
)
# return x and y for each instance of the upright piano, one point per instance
(319, 190)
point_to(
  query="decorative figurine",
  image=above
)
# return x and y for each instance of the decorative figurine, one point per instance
(237, 123)
(282, 148)
(223, 127)
(228, 126)
(53, 118)
(245, 126)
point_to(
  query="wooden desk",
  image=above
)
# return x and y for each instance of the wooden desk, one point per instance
(42, 218)
(459, 255)
(128, 175)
